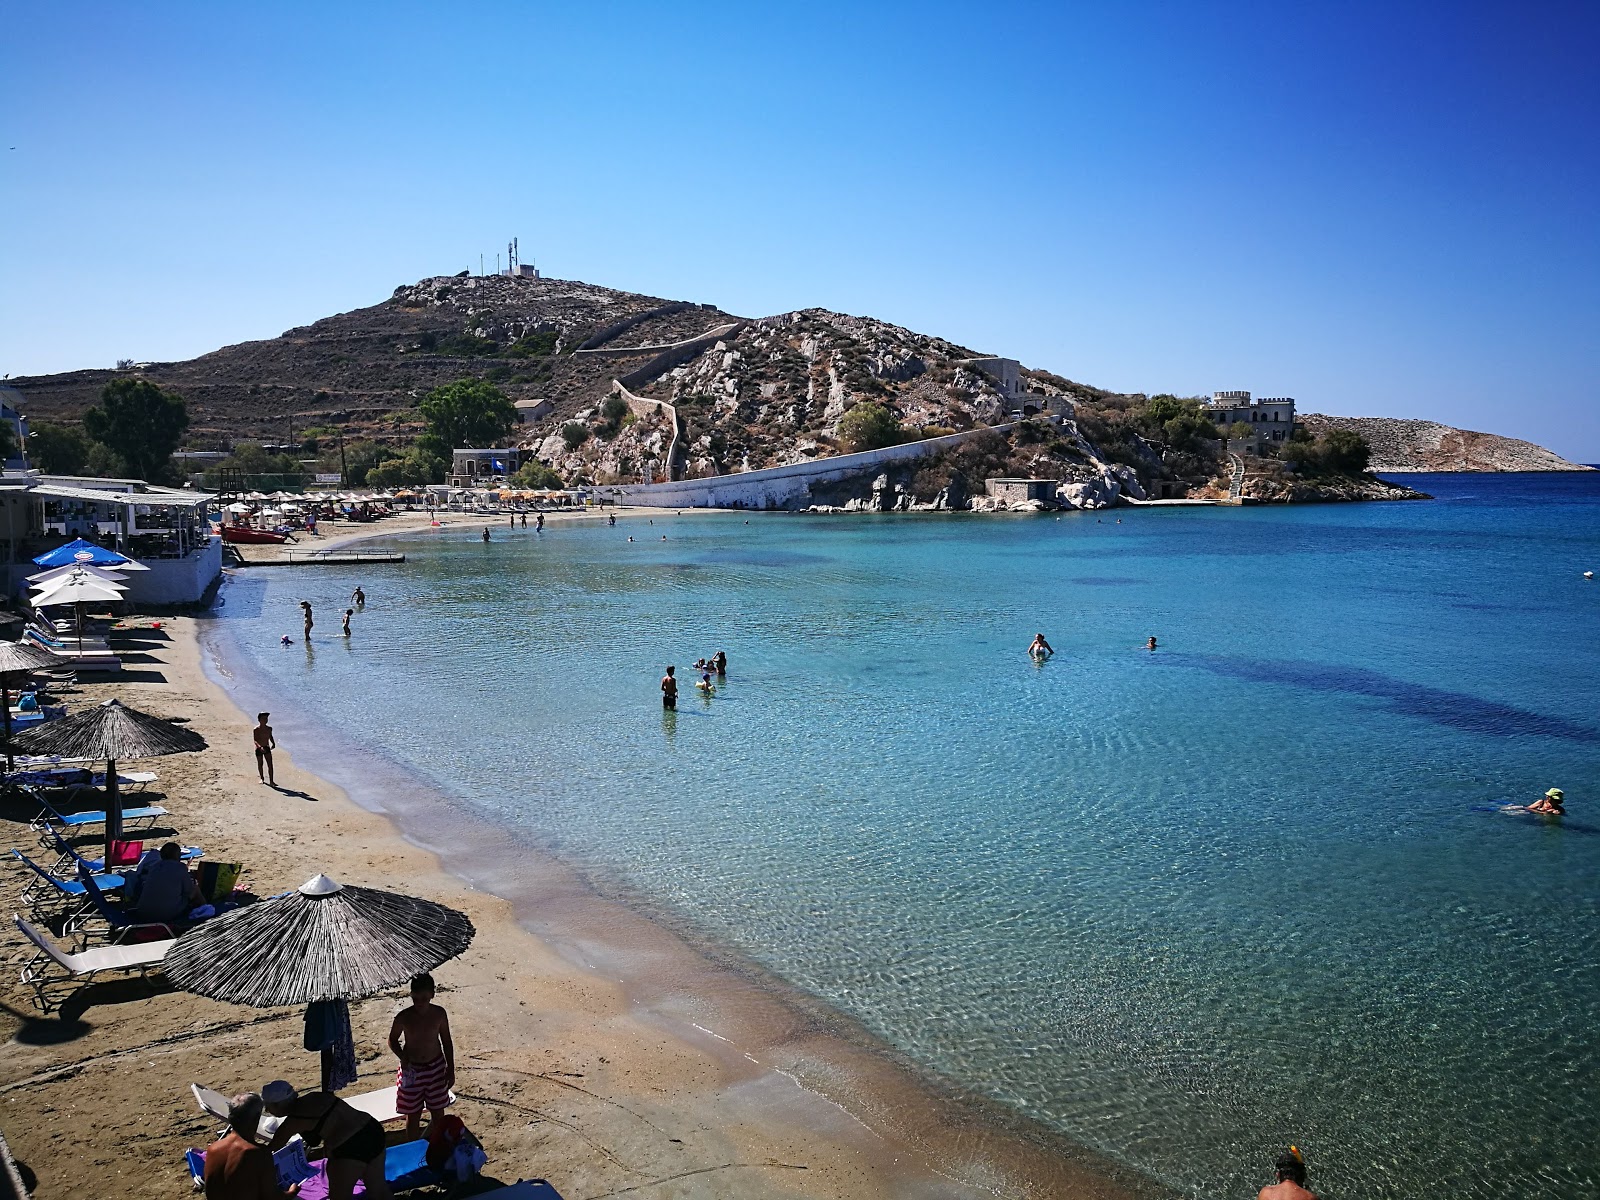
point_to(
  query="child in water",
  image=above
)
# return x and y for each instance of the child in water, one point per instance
(705, 684)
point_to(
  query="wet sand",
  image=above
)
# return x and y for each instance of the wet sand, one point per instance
(595, 1048)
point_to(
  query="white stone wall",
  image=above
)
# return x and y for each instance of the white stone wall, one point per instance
(779, 487)
(177, 580)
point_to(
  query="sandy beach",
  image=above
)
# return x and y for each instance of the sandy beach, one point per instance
(595, 1048)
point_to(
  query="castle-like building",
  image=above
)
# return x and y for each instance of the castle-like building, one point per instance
(1271, 418)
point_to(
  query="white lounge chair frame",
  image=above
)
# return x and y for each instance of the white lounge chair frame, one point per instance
(140, 957)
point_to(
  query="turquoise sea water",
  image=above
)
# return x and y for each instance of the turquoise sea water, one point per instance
(1182, 906)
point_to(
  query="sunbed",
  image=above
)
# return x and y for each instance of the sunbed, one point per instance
(88, 658)
(50, 818)
(71, 862)
(135, 781)
(379, 1104)
(45, 887)
(120, 926)
(141, 958)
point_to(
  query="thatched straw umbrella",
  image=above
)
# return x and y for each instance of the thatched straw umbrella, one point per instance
(323, 941)
(110, 731)
(17, 659)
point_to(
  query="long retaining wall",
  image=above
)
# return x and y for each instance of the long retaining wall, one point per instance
(642, 406)
(618, 328)
(783, 487)
(677, 353)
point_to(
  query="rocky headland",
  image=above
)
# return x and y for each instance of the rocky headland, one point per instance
(1403, 445)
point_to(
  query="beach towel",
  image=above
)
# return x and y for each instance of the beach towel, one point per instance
(328, 1028)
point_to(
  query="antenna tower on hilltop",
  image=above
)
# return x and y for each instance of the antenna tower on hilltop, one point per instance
(511, 257)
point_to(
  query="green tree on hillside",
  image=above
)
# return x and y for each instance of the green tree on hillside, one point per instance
(1345, 452)
(467, 413)
(56, 449)
(868, 425)
(535, 475)
(416, 467)
(140, 425)
(8, 440)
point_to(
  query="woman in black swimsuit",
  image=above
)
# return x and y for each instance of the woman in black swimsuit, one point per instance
(354, 1142)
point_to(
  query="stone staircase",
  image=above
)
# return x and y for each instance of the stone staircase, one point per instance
(1236, 481)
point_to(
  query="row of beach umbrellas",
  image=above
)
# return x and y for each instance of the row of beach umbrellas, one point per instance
(321, 942)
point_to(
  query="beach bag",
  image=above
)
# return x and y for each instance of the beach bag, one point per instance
(453, 1150)
(216, 880)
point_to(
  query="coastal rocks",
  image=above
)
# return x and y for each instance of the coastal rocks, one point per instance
(1101, 490)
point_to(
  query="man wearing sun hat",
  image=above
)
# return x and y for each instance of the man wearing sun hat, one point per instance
(1552, 803)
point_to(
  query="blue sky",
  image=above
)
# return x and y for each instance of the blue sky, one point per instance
(1381, 209)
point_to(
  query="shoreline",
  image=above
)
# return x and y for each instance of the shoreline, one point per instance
(639, 1057)
(714, 998)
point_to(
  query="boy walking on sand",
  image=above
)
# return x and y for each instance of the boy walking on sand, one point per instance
(265, 745)
(420, 1038)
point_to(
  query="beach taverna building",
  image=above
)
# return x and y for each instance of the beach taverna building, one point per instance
(166, 529)
(474, 468)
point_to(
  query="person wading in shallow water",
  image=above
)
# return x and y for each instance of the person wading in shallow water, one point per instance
(305, 609)
(1291, 1183)
(669, 689)
(486, 533)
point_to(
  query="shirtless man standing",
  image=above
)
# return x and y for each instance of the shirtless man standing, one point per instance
(420, 1038)
(1291, 1179)
(265, 745)
(669, 689)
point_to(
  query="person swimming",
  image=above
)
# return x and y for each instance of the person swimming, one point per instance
(1150, 645)
(1040, 649)
(1551, 804)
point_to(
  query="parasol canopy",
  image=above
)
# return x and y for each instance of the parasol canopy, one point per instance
(110, 731)
(25, 656)
(80, 551)
(15, 659)
(44, 577)
(76, 587)
(323, 941)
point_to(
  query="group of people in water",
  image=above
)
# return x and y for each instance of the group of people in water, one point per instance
(358, 600)
(717, 664)
(1039, 649)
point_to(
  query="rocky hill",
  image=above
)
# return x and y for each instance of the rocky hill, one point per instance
(1401, 445)
(723, 393)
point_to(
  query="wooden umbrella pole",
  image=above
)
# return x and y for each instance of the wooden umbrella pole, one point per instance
(113, 810)
(5, 698)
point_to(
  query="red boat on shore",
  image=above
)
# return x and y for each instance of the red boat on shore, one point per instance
(249, 535)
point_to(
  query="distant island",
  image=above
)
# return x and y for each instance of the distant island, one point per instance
(586, 386)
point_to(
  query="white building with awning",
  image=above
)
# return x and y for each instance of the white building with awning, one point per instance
(167, 529)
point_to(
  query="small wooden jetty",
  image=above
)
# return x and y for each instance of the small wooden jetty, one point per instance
(321, 558)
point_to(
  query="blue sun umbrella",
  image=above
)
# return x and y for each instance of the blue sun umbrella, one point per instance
(78, 552)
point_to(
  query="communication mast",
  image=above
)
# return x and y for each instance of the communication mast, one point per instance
(511, 257)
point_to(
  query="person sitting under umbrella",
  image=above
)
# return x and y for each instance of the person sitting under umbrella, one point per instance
(164, 888)
(353, 1140)
(237, 1166)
